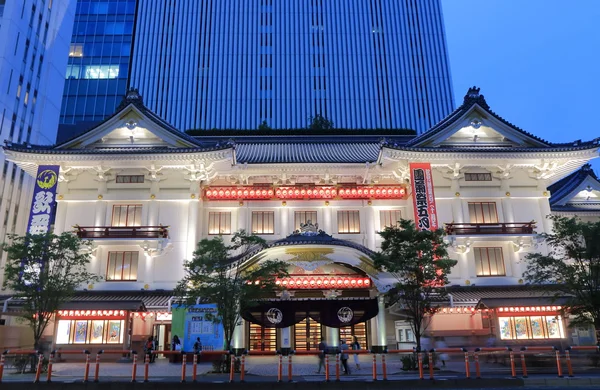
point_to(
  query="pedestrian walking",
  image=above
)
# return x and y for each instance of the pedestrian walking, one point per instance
(344, 356)
(356, 346)
(440, 343)
(322, 352)
(198, 346)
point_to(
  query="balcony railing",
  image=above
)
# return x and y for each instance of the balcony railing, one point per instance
(131, 232)
(466, 229)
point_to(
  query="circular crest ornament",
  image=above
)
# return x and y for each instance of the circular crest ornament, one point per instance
(345, 314)
(274, 315)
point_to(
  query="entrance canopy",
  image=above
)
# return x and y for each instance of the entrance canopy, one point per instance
(335, 313)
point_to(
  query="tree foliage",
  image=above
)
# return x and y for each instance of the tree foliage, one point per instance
(573, 265)
(218, 274)
(419, 261)
(319, 122)
(45, 271)
(264, 126)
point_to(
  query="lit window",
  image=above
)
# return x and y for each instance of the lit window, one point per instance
(219, 223)
(531, 327)
(304, 217)
(483, 212)
(262, 222)
(127, 179)
(96, 331)
(127, 215)
(478, 177)
(101, 72)
(489, 261)
(348, 222)
(388, 218)
(76, 50)
(73, 72)
(122, 266)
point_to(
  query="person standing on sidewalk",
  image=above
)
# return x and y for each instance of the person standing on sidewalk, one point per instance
(344, 356)
(322, 352)
(355, 346)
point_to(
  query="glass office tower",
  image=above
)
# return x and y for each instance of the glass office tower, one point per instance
(235, 63)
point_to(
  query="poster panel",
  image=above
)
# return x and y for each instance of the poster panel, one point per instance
(423, 196)
(43, 203)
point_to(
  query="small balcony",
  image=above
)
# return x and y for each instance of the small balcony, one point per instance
(471, 229)
(122, 232)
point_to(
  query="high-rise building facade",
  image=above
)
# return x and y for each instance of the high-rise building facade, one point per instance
(34, 41)
(234, 64)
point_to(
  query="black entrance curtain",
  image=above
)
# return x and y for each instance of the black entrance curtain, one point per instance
(332, 313)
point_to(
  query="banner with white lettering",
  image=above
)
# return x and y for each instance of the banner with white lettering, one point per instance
(43, 204)
(423, 196)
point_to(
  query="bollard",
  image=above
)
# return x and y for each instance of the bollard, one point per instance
(38, 371)
(477, 368)
(431, 365)
(134, 368)
(97, 368)
(243, 369)
(558, 367)
(467, 368)
(523, 364)
(195, 367)
(86, 372)
(326, 368)
(337, 367)
(290, 367)
(1, 366)
(50, 362)
(420, 360)
(232, 368)
(568, 358)
(183, 366)
(383, 367)
(280, 368)
(146, 367)
(374, 367)
(513, 371)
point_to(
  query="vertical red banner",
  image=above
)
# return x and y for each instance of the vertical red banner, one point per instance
(423, 196)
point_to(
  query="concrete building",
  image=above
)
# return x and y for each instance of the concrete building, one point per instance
(146, 193)
(34, 44)
(235, 64)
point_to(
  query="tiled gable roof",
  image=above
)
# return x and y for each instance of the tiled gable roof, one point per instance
(568, 184)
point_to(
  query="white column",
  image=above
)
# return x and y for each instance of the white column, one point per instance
(545, 223)
(239, 336)
(153, 213)
(457, 209)
(333, 336)
(507, 210)
(381, 331)
(327, 224)
(285, 227)
(370, 223)
(100, 217)
(192, 238)
(242, 218)
(61, 217)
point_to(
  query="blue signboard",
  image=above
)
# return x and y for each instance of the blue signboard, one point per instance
(43, 204)
(198, 325)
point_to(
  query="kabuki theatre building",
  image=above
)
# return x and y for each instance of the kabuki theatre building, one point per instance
(145, 193)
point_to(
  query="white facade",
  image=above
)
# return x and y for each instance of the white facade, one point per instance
(34, 44)
(490, 181)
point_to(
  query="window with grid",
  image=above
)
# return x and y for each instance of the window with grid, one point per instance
(263, 222)
(348, 221)
(302, 217)
(478, 176)
(219, 223)
(389, 218)
(483, 212)
(127, 179)
(127, 215)
(122, 266)
(489, 262)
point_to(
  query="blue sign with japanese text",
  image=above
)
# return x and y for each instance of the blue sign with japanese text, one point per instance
(43, 204)
(198, 324)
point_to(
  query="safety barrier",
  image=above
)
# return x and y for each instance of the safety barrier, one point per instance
(521, 360)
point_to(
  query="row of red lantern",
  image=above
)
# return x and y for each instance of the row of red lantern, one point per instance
(90, 313)
(324, 282)
(317, 192)
(528, 309)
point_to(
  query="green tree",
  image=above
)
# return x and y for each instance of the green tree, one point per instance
(319, 122)
(218, 273)
(264, 126)
(572, 265)
(45, 271)
(419, 261)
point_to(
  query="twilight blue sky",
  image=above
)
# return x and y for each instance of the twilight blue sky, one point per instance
(537, 62)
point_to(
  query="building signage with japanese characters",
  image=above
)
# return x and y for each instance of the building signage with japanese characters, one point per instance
(423, 196)
(43, 204)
